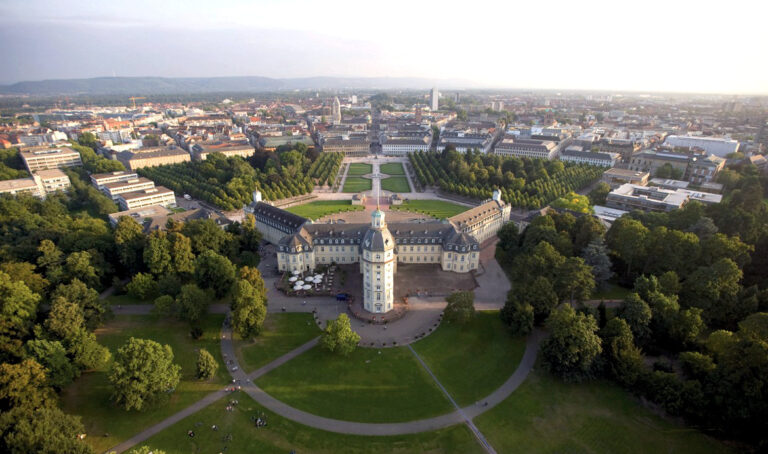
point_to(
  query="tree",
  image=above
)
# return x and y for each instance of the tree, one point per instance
(206, 365)
(46, 430)
(142, 286)
(79, 265)
(573, 202)
(25, 272)
(626, 239)
(88, 354)
(18, 309)
(192, 303)
(595, 256)
(214, 271)
(249, 309)
(624, 361)
(142, 372)
(518, 316)
(53, 356)
(637, 314)
(181, 252)
(338, 336)
(587, 230)
(146, 450)
(129, 240)
(715, 289)
(598, 195)
(165, 305)
(87, 298)
(574, 280)
(157, 253)
(65, 319)
(573, 345)
(460, 308)
(540, 295)
(24, 386)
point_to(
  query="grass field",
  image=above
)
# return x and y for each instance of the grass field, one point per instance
(395, 184)
(439, 209)
(546, 415)
(472, 361)
(125, 300)
(611, 291)
(88, 396)
(392, 168)
(356, 184)
(359, 168)
(282, 435)
(369, 385)
(316, 210)
(281, 333)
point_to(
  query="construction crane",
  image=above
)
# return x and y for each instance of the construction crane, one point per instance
(134, 98)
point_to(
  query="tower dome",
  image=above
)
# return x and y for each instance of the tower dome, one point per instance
(378, 265)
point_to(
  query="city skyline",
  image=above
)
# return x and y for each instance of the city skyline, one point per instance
(592, 46)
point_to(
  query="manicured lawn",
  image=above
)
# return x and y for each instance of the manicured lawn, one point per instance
(282, 435)
(439, 209)
(316, 210)
(125, 300)
(89, 395)
(395, 184)
(359, 168)
(356, 184)
(611, 291)
(392, 168)
(546, 415)
(369, 385)
(473, 360)
(281, 333)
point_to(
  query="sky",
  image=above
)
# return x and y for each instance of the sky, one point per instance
(671, 45)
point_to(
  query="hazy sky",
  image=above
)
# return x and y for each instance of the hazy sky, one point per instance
(669, 45)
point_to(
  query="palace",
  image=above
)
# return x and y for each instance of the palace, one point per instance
(454, 244)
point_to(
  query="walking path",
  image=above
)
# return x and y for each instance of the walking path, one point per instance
(343, 177)
(479, 435)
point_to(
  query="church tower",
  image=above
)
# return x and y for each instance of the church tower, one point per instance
(378, 264)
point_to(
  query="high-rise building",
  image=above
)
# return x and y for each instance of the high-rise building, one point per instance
(336, 112)
(434, 95)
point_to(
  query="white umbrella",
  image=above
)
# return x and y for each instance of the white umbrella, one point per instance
(295, 272)
(299, 282)
(307, 287)
(319, 276)
(318, 280)
(297, 287)
(292, 278)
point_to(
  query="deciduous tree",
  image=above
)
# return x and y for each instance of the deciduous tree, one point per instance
(142, 372)
(338, 336)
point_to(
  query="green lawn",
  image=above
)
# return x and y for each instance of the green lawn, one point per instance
(369, 385)
(281, 333)
(316, 210)
(357, 184)
(472, 361)
(125, 300)
(392, 168)
(546, 415)
(439, 209)
(611, 291)
(395, 184)
(88, 396)
(359, 168)
(282, 435)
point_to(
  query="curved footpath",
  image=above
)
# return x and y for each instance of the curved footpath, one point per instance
(459, 416)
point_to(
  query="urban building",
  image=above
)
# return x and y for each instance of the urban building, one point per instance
(53, 158)
(200, 151)
(527, 148)
(718, 146)
(616, 177)
(158, 195)
(349, 146)
(576, 154)
(696, 167)
(156, 217)
(400, 146)
(152, 157)
(42, 183)
(434, 98)
(336, 111)
(21, 186)
(100, 179)
(114, 190)
(464, 142)
(631, 197)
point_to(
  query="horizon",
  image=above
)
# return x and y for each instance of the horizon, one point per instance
(659, 48)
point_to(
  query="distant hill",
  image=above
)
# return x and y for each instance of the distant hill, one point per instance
(172, 85)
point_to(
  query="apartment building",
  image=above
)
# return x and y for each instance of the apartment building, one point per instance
(113, 190)
(616, 177)
(100, 179)
(152, 157)
(53, 158)
(200, 151)
(527, 148)
(576, 154)
(158, 195)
